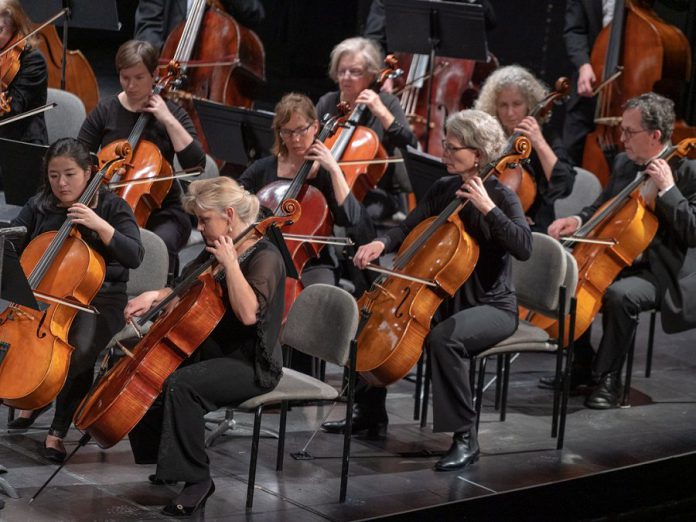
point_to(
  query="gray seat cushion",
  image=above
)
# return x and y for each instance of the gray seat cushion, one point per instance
(293, 386)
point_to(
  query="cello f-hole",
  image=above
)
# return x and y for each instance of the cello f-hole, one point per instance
(397, 312)
(38, 328)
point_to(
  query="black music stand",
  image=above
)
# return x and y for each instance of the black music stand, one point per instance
(238, 136)
(21, 164)
(83, 14)
(423, 170)
(454, 30)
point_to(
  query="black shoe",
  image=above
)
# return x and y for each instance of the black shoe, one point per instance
(53, 454)
(579, 378)
(374, 424)
(22, 423)
(178, 510)
(463, 452)
(159, 482)
(607, 394)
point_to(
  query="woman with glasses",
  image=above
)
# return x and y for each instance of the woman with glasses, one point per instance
(510, 93)
(484, 310)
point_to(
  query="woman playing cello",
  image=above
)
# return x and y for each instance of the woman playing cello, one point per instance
(24, 87)
(109, 228)
(484, 310)
(171, 131)
(509, 94)
(243, 349)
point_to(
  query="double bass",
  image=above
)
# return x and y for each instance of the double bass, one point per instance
(435, 259)
(66, 273)
(637, 53)
(124, 394)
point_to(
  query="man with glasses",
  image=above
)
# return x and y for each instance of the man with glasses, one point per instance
(659, 277)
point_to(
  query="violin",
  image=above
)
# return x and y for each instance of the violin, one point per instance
(353, 143)
(145, 162)
(611, 240)
(9, 67)
(518, 178)
(67, 274)
(435, 259)
(637, 53)
(123, 396)
(221, 60)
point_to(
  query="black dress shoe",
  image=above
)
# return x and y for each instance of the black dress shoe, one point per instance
(179, 510)
(23, 423)
(53, 454)
(374, 424)
(463, 452)
(159, 482)
(579, 378)
(607, 393)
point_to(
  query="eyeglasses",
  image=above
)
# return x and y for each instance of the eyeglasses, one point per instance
(629, 133)
(449, 148)
(294, 133)
(353, 73)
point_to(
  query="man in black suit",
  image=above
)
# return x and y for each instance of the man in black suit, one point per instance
(584, 20)
(662, 276)
(155, 19)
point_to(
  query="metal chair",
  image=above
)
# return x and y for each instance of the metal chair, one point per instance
(65, 120)
(545, 284)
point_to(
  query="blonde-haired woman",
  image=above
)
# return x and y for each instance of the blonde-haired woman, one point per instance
(240, 359)
(28, 88)
(484, 309)
(510, 94)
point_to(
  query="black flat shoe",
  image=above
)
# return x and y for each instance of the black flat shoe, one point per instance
(463, 452)
(53, 454)
(23, 423)
(159, 482)
(177, 510)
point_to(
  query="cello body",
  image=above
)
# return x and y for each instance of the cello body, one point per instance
(128, 390)
(655, 56)
(79, 76)
(35, 366)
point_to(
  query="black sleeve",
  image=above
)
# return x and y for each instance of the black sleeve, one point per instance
(576, 34)
(149, 22)
(677, 206)
(28, 89)
(508, 224)
(562, 174)
(252, 179)
(25, 218)
(375, 25)
(125, 246)
(264, 272)
(193, 155)
(246, 12)
(399, 133)
(91, 132)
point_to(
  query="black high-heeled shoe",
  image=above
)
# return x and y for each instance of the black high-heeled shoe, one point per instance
(178, 510)
(54, 454)
(23, 423)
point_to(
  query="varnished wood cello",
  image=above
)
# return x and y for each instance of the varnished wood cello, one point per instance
(435, 259)
(637, 53)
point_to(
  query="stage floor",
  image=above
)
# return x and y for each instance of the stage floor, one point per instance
(386, 476)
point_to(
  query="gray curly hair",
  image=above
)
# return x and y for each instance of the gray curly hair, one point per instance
(477, 129)
(532, 89)
(656, 113)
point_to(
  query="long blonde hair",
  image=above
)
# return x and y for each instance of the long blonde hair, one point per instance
(219, 194)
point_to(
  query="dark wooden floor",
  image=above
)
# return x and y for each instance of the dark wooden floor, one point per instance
(386, 476)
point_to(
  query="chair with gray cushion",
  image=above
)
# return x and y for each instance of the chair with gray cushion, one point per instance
(65, 120)
(545, 284)
(323, 323)
(586, 189)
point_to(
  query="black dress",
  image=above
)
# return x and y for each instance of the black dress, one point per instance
(235, 363)
(111, 121)
(89, 334)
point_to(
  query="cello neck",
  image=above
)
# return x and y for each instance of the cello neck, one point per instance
(339, 147)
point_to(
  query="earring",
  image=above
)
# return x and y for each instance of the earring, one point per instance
(476, 164)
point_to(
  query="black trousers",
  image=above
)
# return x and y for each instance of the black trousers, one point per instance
(89, 335)
(623, 302)
(172, 433)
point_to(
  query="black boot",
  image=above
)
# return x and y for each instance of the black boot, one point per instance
(607, 394)
(463, 451)
(374, 422)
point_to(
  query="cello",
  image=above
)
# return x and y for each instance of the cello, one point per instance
(610, 241)
(435, 259)
(124, 394)
(221, 60)
(516, 177)
(637, 53)
(36, 352)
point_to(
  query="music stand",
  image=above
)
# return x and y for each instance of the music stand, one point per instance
(21, 164)
(82, 14)
(236, 135)
(423, 170)
(454, 30)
